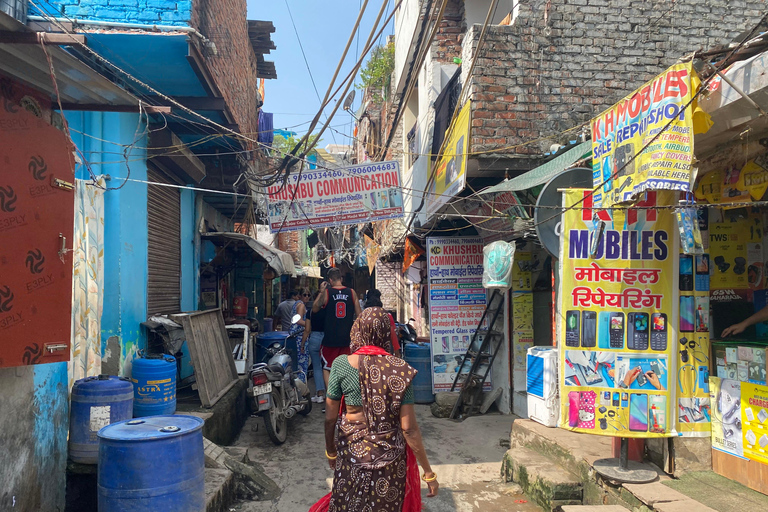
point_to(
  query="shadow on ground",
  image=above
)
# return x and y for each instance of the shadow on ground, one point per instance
(465, 455)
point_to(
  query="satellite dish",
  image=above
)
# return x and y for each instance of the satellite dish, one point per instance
(349, 100)
(549, 231)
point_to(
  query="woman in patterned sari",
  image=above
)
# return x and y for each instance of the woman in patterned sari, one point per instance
(372, 439)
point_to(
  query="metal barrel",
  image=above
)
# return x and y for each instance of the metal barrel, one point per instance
(152, 464)
(96, 403)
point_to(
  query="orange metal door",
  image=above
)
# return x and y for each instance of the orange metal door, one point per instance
(36, 223)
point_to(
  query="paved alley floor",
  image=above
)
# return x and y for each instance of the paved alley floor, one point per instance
(466, 456)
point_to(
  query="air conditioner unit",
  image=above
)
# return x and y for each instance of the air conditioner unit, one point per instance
(541, 377)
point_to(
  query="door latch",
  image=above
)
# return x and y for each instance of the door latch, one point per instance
(55, 347)
(64, 185)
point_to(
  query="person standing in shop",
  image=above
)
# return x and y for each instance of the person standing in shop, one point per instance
(339, 307)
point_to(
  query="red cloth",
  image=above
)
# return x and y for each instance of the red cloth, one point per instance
(395, 341)
(412, 501)
(329, 354)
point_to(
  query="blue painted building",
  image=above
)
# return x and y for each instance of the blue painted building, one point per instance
(150, 155)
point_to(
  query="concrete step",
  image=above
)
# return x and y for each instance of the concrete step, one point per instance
(219, 489)
(573, 451)
(541, 478)
(593, 508)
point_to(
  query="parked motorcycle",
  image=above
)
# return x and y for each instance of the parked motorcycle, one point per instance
(406, 333)
(277, 392)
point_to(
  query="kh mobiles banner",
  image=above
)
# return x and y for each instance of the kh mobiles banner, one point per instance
(449, 174)
(619, 133)
(615, 336)
(456, 303)
(322, 198)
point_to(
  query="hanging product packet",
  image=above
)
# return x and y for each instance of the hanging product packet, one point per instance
(688, 226)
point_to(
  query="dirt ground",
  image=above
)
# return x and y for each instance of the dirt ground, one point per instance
(465, 455)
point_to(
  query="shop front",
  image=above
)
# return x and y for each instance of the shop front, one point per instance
(660, 323)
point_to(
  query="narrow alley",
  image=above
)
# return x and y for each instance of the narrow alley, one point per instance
(466, 455)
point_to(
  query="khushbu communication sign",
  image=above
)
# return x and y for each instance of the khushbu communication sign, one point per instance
(323, 198)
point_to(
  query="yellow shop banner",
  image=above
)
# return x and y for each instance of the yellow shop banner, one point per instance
(616, 344)
(754, 421)
(623, 167)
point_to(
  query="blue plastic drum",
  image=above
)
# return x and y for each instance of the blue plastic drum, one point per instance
(96, 403)
(263, 341)
(418, 355)
(152, 464)
(154, 384)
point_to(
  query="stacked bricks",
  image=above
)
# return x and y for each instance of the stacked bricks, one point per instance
(234, 68)
(447, 43)
(288, 241)
(159, 12)
(565, 61)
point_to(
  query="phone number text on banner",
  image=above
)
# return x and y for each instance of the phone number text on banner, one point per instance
(456, 304)
(615, 341)
(323, 198)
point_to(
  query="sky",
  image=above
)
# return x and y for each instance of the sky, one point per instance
(324, 27)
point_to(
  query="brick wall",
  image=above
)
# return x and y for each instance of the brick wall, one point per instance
(289, 242)
(447, 42)
(559, 66)
(234, 68)
(160, 12)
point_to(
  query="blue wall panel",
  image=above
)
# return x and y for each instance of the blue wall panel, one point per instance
(125, 222)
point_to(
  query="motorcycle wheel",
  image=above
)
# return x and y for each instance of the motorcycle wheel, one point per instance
(274, 420)
(307, 408)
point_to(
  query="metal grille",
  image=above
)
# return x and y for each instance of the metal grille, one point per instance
(164, 251)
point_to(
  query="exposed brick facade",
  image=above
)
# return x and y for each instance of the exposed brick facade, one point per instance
(288, 241)
(222, 21)
(447, 42)
(234, 68)
(160, 12)
(563, 61)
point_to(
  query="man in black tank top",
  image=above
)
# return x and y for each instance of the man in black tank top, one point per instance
(338, 305)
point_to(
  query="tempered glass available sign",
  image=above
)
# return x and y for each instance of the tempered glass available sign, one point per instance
(616, 334)
(351, 195)
(457, 300)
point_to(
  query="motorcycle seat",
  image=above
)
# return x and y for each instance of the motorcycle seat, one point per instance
(277, 369)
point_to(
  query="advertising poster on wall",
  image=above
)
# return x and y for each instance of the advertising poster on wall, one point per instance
(615, 337)
(321, 198)
(725, 395)
(449, 173)
(731, 238)
(754, 421)
(456, 303)
(620, 170)
(522, 312)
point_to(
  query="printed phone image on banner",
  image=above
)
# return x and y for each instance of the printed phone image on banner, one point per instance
(616, 323)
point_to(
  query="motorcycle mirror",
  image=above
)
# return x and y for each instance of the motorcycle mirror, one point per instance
(295, 319)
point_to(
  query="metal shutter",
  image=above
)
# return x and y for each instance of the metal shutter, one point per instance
(164, 251)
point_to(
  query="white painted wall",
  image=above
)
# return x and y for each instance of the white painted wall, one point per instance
(406, 19)
(475, 11)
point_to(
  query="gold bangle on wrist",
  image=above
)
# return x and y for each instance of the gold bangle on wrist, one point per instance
(428, 480)
(329, 456)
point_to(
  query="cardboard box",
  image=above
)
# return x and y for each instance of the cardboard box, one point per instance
(731, 355)
(745, 353)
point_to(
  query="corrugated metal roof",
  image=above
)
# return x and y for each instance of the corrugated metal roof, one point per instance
(78, 83)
